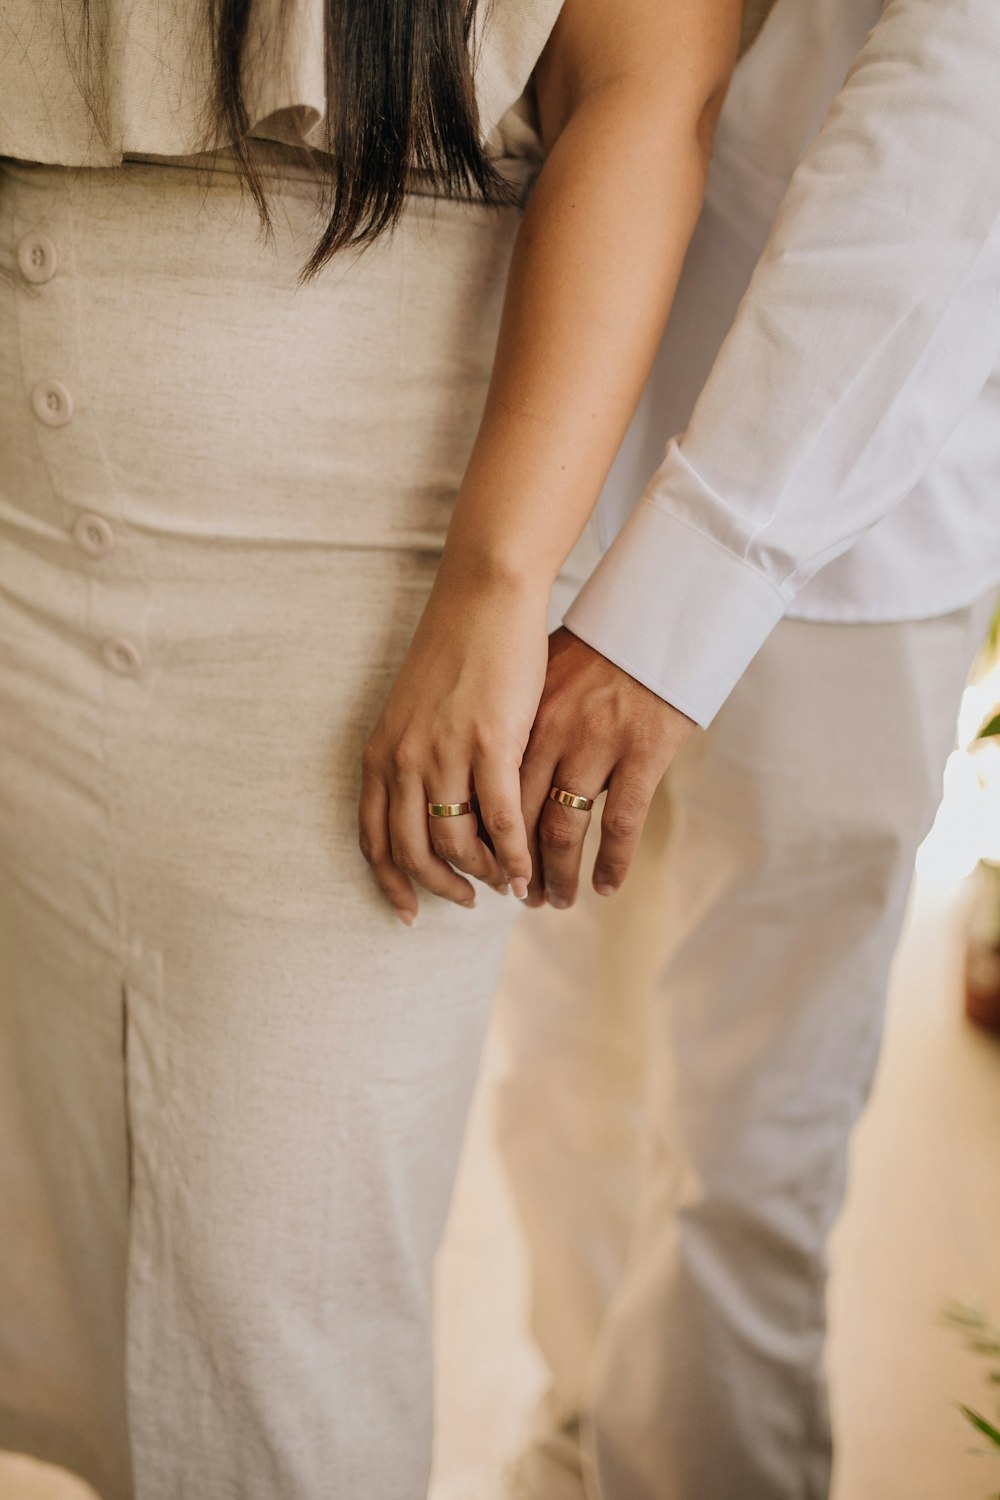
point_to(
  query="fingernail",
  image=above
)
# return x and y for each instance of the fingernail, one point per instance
(519, 886)
(502, 890)
(559, 902)
(605, 890)
(406, 917)
(470, 903)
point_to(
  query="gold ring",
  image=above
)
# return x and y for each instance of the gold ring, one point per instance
(571, 799)
(448, 809)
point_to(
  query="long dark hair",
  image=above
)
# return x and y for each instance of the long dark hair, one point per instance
(400, 93)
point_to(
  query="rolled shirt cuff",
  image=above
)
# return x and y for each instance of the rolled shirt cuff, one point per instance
(677, 611)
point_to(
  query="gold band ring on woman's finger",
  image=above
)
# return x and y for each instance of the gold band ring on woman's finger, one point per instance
(448, 809)
(570, 799)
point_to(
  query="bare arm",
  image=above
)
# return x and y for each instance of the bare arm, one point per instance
(628, 96)
(629, 91)
(867, 332)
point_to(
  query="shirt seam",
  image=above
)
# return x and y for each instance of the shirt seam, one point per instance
(735, 557)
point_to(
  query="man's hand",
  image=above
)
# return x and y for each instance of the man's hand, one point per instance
(596, 727)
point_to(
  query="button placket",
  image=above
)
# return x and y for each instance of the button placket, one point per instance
(73, 454)
(52, 403)
(93, 534)
(121, 655)
(37, 258)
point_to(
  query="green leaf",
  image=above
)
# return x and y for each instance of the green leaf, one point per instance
(993, 638)
(990, 728)
(965, 1314)
(985, 1427)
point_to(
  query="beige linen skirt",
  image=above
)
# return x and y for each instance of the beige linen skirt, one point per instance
(232, 1084)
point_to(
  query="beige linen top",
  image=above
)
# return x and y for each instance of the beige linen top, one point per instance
(151, 71)
(153, 86)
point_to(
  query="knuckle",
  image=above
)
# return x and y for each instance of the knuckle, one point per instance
(482, 745)
(500, 821)
(448, 848)
(406, 862)
(556, 837)
(488, 741)
(623, 824)
(404, 759)
(634, 790)
(497, 746)
(611, 871)
(385, 873)
(371, 759)
(437, 762)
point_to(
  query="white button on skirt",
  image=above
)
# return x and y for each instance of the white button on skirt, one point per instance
(232, 1084)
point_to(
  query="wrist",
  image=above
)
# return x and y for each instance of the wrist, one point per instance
(490, 572)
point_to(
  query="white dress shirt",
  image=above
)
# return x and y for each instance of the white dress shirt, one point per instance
(841, 458)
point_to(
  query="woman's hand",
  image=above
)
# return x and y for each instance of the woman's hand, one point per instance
(455, 724)
(628, 94)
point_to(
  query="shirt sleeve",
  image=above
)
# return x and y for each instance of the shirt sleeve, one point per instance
(870, 325)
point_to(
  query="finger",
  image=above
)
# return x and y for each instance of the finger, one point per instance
(457, 840)
(537, 773)
(410, 843)
(498, 788)
(561, 832)
(625, 810)
(373, 839)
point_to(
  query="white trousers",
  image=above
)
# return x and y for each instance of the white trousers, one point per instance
(232, 1084)
(686, 1061)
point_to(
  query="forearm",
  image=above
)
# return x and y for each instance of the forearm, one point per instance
(869, 328)
(593, 273)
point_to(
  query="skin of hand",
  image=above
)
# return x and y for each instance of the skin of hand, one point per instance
(596, 728)
(628, 94)
(481, 643)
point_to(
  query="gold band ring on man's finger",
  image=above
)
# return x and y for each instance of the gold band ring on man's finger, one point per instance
(448, 809)
(571, 799)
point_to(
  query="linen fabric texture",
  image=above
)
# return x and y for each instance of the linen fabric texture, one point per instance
(683, 1067)
(233, 1084)
(149, 68)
